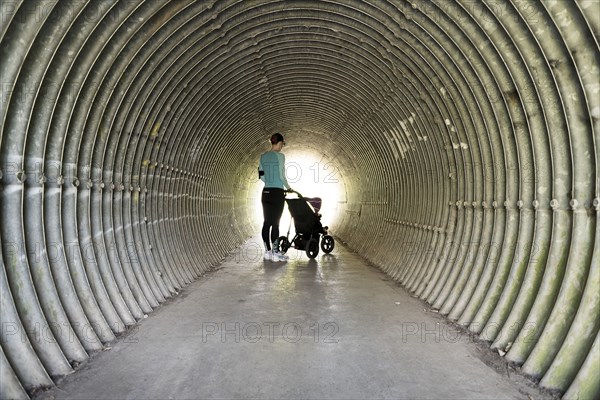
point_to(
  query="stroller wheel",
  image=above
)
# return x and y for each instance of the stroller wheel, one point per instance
(284, 244)
(327, 244)
(312, 248)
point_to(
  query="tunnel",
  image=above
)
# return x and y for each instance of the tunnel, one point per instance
(459, 138)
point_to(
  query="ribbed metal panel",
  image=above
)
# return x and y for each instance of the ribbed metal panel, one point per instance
(466, 133)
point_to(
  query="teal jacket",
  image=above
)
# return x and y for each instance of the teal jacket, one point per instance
(271, 170)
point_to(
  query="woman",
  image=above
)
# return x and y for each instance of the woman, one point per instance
(271, 170)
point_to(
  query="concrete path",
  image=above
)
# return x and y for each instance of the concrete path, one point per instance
(334, 328)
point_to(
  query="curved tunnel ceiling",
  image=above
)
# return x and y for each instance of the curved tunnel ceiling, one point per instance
(465, 134)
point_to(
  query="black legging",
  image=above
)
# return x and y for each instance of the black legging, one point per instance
(273, 200)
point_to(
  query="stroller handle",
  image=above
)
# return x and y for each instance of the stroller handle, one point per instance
(295, 192)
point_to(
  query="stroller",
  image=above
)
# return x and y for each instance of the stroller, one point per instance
(307, 223)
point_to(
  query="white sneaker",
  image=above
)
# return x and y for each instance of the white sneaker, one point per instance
(268, 255)
(278, 256)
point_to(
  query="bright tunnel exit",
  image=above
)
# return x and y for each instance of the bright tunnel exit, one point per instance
(312, 175)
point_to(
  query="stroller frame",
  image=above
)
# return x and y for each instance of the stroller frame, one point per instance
(310, 233)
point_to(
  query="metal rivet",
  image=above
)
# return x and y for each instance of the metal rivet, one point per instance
(573, 203)
(506, 204)
(495, 204)
(89, 184)
(535, 204)
(42, 179)
(520, 204)
(21, 176)
(596, 203)
(484, 204)
(76, 182)
(554, 204)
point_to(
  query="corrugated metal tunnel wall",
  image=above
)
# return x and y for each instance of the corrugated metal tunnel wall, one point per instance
(465, 133)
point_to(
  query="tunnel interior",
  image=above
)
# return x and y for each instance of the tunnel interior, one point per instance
(455, 144)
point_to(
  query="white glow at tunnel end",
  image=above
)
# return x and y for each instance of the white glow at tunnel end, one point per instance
(312, 176)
